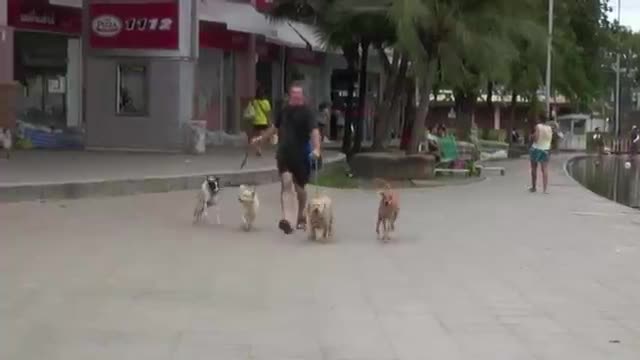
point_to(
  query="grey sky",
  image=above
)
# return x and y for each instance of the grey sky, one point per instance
(629, 14)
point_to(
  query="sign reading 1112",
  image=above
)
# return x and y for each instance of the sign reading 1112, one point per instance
(144, 24)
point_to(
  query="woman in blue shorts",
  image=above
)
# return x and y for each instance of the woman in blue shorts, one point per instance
(539, 154)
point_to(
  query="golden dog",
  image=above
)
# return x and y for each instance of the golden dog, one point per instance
(320, 218)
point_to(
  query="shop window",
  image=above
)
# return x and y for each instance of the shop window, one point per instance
(579, 127)
(132, 90)
(231, 125)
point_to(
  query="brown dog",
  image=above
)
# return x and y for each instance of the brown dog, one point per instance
(387, 210)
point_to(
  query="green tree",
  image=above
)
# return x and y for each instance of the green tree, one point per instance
(354, 33)
(468, 39)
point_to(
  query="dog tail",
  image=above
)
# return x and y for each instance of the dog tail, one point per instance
(382, 183)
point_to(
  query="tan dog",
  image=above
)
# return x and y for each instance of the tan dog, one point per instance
(320, 218)
(387, 211)
(248, 197)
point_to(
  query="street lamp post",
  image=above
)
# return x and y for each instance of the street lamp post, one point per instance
(548, 75)
(617, 100)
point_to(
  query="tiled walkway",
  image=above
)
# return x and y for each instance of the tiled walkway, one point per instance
(484, 271)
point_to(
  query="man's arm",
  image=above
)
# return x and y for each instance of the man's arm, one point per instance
(315, 140)
(272, 130)
(315, 133)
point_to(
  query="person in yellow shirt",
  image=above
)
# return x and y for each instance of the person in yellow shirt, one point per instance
(262, 115)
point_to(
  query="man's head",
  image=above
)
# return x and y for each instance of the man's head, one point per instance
(296, 94)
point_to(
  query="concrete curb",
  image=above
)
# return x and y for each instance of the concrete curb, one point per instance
(121, 187)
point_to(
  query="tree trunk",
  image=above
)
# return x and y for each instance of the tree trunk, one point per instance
(465, 107)
(362, 98)
(490, 95)
(512, 116)
(426, 85)
(388, 108)
(396, 99)
(350, 53)
(409, 111)
(382, 107)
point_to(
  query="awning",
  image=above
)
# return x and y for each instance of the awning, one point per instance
(237, 16)
(297, 35)
(68, 3)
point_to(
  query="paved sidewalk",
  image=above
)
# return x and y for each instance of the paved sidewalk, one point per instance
(31, 175)
(70, 166)
(483, 271)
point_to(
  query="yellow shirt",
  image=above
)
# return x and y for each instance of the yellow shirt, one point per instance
(262, 109)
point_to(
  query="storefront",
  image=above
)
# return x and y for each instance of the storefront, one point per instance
(215, 78)
(140, 70)
(47, 64)
(269, 69)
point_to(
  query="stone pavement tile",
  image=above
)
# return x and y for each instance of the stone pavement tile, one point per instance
(139, 315)
(202, 345)
(60, 343)
(419, 337)
(493, 346)
(562, 347)
(346, 338)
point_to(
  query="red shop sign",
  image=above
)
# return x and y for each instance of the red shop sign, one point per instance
(213, 35)
(262, 5)
(304, 56)
(135, 25)
(39, 15)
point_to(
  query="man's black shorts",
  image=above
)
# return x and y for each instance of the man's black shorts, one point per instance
(298, 166)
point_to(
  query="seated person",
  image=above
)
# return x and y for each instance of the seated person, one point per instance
(432, 143)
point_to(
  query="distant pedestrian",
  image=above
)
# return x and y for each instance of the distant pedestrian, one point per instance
(515, 136)
(540, 153)
(634, 137)
(324, 117)
(598, 141)
(258, 112)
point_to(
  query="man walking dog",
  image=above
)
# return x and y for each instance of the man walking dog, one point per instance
(296, 126)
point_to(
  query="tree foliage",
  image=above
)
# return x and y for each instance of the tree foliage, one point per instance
(472, 47)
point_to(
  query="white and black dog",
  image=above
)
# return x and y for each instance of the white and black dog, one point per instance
(208, 196)
(6, 141)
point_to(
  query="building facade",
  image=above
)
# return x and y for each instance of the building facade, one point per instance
(135, 74)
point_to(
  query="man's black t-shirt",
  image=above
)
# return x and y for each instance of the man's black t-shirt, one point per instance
(294, 125)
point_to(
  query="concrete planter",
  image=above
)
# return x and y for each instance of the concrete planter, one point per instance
(393, 166)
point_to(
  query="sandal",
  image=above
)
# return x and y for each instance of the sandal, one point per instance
(302, 224)
(285, 226)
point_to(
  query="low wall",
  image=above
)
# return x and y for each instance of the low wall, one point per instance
(393, 166)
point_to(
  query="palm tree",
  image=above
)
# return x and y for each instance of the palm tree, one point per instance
(351, 32)
(469, 39)
(333, 35)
